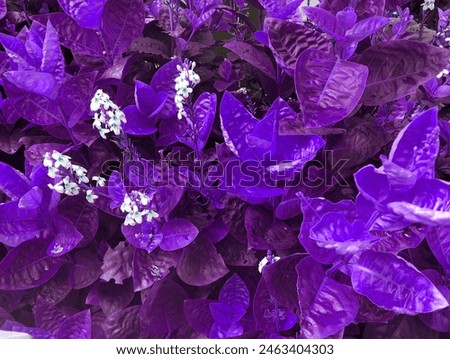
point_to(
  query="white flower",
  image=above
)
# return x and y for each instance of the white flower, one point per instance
(57, 187)
(428, 5)
(57, 249)
(265, 261)
(100, 180)
(47, 160)
(129, 221)
(61, 160)
(144, 199)
(52, 172)
(91, 196)
(70, 188)
(151, 215)
(80, 173)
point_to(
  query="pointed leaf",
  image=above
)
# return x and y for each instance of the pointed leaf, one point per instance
(200, 264)
(124, 324)
(47, 316)
(53, 60)
(78, 326)
(393, 75)
(149, 268)
(85, 271)
(164, 81)
(328, 88)
(236, 296)
(236, 123)
(27, 266)
(122, 22)
(253, 55)
(110, 297)
(66, 238)
(177, 233)
(438, 239)
(288, 40)
(18, 225)
(394, 284)
(39, 83)
(417, 145)
(198, 315)
(326, 305)
(162, 310)
(12, 182)
(87, 13)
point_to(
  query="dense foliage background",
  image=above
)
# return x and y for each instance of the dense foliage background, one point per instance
(215, 168)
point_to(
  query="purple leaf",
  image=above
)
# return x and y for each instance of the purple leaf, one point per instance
(200, 264)
(122, 22)
(177, 233)
(280, 9)
(438, 239)
(288, 40)
(27, 266)
(47, 316)
(235, 297)
(326, 306)
(85, 271)
(39, 83)
(313, 210)
(365, 27)
(281, 281)
(164, 81)
(149, 102)
(18, 225)
(78, 326)
(87, 13)
(52, 60)
(110, 297)
(145, 236)
(328, 88)
(162, 310)
(198, 315)
(394, 284)
(71, 35)
(335, 233)
(3, 9)
(66, 238)
(204, 111)
(236, 123)
(324, 20)
(253, 55)
(148, 268)
(12, 182)
(124, 324)
(428, 203)
(393, 75)
(32, 199)
(83, 215)
(417, 145)
(270, 315)
(75, 96)
(118, 263)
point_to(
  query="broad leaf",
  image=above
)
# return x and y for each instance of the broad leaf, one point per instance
(177, 233)
(122, 22)
(78, 326)
(328, 88)
(393, 75)
(394, 284)
(12, 182)
(27, 266)
(326, 306)
(87, 13)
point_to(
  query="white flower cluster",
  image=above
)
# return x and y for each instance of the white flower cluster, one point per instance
(428, 5)
(184, 84)
(134, 205)
(72, 176)
(108, 117)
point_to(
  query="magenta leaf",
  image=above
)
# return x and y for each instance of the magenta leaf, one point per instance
(394, 284)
